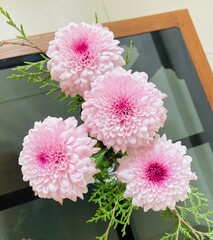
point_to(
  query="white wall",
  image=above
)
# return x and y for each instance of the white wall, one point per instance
(200, 11)
(45, 16)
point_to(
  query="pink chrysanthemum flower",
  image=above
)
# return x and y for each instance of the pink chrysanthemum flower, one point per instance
(158, 176)
(56, 159)
(81, 52)
(123, 109)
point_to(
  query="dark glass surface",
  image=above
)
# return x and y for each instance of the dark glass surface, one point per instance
(44, 219)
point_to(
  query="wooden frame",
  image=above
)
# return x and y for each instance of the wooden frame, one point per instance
(180, 19)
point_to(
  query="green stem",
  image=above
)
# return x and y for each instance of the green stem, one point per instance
(20, 30)
(187, 225)
(179, 225)
(106, 234)
(32, 45)
(197, 213)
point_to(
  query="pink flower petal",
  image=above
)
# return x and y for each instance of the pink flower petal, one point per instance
(157, 176)
(123, 109)
(81, 52)
(56, 159)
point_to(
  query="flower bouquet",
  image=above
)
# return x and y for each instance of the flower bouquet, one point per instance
(117, 147)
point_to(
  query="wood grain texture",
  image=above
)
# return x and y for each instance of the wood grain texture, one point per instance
(180, 19)
(10, 51)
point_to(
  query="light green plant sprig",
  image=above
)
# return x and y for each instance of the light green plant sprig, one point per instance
(25, 40)
(113, 207)
(128, 53)
(193, 208)
(37, 72)
(96, 18)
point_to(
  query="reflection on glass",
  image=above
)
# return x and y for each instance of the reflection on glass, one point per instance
(181, 109)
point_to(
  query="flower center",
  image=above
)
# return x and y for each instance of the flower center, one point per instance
(51, 155)
(122, 107)
(81, 47)
(42, 158)
(156, 172)
(82, 52)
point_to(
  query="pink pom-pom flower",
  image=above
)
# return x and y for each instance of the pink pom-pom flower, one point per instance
(81, 52)
(56, 159)
(156, 177)
(123, 109)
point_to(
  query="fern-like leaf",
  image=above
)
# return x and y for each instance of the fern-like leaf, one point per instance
(36, 72)
(193, 207)
(112, 206)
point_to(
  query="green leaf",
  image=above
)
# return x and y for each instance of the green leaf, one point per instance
(12, 23)
(112, 206)
(129, 52)
(99, 157)
(96, 18)
(22, 31)
(75, 103)
(36, 72)
(193, 208)
(167, 214)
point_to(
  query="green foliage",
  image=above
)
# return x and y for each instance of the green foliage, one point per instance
(75, 103)
(36, 72)
(198, 203)
(100, 159)
(106, 161)
(96, 18)
(168, 215)
(113, 207)
(20, 28)
(127, 58)
(25, 40)
(193, 208)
